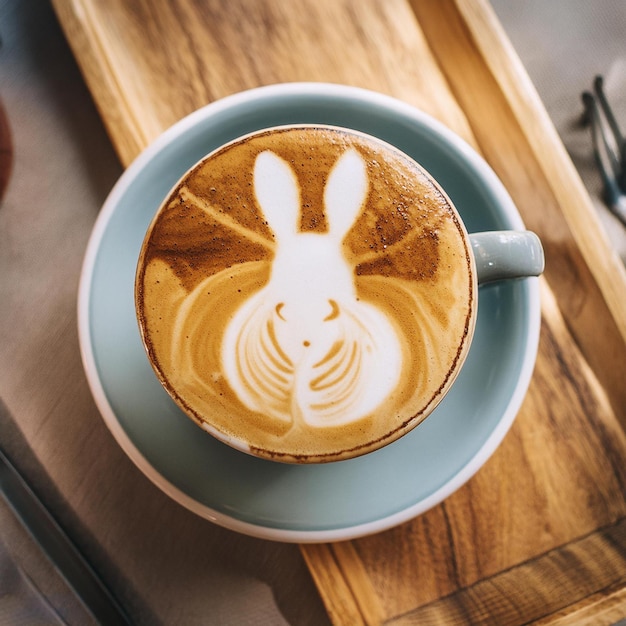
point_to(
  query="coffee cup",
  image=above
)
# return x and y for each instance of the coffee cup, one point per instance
(308, 293)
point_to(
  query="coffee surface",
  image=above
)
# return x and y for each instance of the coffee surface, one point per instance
(306, 293)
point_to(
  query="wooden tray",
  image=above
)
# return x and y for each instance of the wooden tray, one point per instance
(539, 534)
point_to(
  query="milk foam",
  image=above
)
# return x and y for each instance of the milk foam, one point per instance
(305, 349)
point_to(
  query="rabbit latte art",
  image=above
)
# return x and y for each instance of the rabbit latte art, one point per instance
(306, 293)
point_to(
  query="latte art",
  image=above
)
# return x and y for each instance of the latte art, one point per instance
(306, 294)
(304, 349)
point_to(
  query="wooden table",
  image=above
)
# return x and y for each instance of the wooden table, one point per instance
(539, 534)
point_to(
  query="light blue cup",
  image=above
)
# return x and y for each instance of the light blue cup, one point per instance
(332, 501)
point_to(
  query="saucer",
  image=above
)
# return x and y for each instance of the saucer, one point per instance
(309, 503)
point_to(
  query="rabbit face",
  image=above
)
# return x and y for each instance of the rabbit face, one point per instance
(309, 285)
(304, 348)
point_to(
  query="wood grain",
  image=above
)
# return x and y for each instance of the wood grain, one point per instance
(149, 63)
(538, 535)
(590, 568)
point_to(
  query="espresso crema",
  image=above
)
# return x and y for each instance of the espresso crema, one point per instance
(306, 294)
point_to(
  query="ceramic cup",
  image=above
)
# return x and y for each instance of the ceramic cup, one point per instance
(308, 293)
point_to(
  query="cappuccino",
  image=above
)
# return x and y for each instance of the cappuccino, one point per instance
(306, 293)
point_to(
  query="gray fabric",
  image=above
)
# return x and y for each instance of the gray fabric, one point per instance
(165, 565)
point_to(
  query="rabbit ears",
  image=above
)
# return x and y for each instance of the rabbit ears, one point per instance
(278, 193)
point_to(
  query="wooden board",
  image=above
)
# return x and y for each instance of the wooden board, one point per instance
(539, 534)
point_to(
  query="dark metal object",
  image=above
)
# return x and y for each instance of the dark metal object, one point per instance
(609, 148)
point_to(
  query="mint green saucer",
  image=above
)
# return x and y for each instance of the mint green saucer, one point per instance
(328, 502)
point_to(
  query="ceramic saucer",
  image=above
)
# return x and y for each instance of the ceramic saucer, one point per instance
(327, 502)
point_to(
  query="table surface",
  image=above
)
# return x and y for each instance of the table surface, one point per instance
(64, 166)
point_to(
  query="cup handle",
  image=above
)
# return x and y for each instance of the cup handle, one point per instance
(507, 254)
